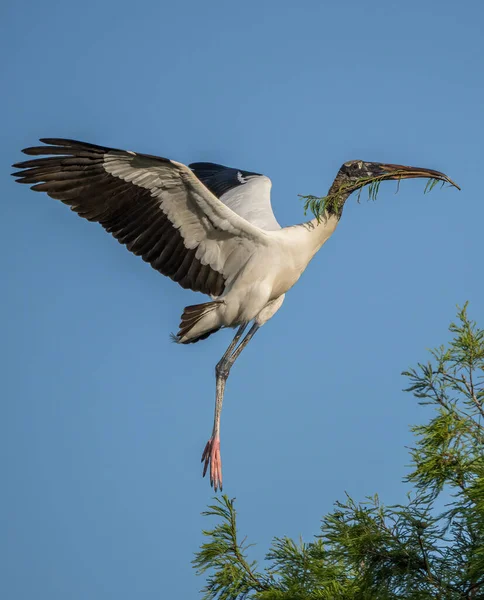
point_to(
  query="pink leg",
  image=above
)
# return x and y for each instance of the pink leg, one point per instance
(211, 455)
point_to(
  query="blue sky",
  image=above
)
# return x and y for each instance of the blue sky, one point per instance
(103, 418)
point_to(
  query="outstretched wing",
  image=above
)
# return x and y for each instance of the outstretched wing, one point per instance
(154, 206)
(248, 194)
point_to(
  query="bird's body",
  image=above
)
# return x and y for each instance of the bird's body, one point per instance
(208, 227)
(275, 262)
(257, 290)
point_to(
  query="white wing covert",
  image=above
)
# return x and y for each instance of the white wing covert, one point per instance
(156, 207)
(246, 193)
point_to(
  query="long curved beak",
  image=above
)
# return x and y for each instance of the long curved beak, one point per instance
(389, 171)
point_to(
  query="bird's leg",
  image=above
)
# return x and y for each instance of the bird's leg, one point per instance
(211, 454)
(235, 355)
(232, 344)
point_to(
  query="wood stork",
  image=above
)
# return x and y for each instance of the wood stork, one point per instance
(208, 227)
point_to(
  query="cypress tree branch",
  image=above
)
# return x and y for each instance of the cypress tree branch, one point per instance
(369, 551)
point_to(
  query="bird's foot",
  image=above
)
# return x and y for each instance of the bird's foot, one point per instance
(211, 456)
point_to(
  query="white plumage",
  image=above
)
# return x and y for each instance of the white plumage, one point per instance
(237, 235)
(210, 228)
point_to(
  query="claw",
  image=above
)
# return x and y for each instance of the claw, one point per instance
(211, 456)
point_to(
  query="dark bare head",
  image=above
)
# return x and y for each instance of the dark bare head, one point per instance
(355, 174)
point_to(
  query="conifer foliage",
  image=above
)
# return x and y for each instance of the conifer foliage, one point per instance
(366, 550)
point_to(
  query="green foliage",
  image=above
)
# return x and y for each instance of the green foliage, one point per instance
(431, 183)
(366, 550)
(233, 576)
(331, 203)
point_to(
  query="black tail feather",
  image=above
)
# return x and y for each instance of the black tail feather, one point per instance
(190, 317)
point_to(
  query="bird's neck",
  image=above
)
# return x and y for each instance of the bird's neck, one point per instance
(320, 229)
(309, 237)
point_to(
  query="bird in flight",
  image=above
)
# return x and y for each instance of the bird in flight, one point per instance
(206, 226)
